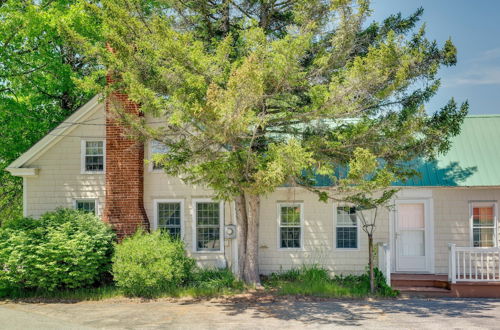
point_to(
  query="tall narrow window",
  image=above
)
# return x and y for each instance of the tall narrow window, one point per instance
(93, 156)
(169, 217)
(157, 148)
(484, 224)
(208, 221)
(290, 226)
(347, 228)
(86, 205)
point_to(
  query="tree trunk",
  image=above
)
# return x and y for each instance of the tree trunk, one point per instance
(225, 18)
(251, 268)
(370, 263)
(241, 233)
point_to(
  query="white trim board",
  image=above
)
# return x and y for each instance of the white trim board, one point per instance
(66, 127)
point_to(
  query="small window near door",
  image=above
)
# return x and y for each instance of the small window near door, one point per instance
(347, 228)
(169, 218)
(86, 205)
(484, 224)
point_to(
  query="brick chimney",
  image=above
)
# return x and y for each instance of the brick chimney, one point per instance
(124, 208)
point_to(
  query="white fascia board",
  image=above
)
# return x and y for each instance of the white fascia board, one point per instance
(23, 171)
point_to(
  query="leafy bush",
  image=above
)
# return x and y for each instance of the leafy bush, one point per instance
(150, 264)
(316, 281)
(63, 249)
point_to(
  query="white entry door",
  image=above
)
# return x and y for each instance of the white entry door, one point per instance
(412, 236)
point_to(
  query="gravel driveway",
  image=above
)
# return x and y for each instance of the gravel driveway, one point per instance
(244, 313)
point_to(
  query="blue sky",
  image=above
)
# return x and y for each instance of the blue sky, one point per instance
(474, 26)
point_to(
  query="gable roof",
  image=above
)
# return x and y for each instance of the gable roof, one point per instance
(473, 159)
(66, 127)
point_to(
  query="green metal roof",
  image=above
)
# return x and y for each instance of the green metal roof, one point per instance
(473, 159)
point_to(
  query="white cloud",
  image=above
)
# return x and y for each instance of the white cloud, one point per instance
(481, 76)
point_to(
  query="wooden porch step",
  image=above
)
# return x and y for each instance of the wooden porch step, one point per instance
(420, 280)
(419, 291)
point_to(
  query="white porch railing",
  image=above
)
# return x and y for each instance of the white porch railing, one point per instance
(474, 264)
(384, 261)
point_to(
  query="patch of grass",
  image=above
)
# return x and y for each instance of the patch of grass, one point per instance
(205, 283)
(316, 281)
(82, 294)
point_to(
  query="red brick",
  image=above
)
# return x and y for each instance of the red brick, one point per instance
(124, 208)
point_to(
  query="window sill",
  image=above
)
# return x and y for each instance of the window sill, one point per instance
(291, 249)
(208, 252)
(347, 249)
(93, 172)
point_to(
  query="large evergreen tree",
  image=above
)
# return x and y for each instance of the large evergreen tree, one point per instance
(254, 94)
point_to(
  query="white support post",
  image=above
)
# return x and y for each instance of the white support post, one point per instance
(384, 261)
(388, 263)
(453, 270)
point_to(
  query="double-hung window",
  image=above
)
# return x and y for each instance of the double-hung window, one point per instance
(208, 221)
(484, 224)
(157, 148)
(169, 214)
(86, 205)
(290, 226)
(347, 228)
(93, 156)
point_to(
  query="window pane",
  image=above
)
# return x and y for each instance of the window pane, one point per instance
(94, 148)
(290, 237)
(290, 215)
(483, 216)
(347, 237)
(413, 243)
(208, 239)
(175, 232)
(207, 214)
(169, 214)
(86, 205)
(158, 148)
(169, 218)
(94, 156)
(346, 216)
(94, 163)
(483, 237)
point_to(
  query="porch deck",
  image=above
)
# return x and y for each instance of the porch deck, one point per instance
(434, 285)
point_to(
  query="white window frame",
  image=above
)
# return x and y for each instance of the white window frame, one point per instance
(221, 225)
(83, 150)
(86, 199)
(150, 158)
(473, 204)
(155, 217)
(301, 226)
(335, 226)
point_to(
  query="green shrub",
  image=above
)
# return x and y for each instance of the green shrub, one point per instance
(149, 265)
(63, 249)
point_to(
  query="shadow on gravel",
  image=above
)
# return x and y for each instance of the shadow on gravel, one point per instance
(346, 312)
